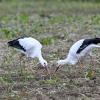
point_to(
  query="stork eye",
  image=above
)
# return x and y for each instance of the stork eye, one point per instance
(45, 64)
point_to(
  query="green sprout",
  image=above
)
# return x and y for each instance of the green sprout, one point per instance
(47, 41)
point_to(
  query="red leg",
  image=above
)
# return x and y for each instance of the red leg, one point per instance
(80, 63)
(93, 62)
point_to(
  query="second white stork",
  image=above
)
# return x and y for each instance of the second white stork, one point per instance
(79, 51)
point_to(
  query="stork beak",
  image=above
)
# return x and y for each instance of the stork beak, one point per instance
(57, 68)
(47, 69)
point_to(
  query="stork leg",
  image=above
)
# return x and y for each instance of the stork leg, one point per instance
(30, 67)
(20, 57)
(80, 63)
(91, 72)
(93, 62)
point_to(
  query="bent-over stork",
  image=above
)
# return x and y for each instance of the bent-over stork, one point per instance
(29, 47)
(79, 51)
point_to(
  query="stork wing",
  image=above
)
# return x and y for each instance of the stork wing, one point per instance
(82, 47)
(29, 43)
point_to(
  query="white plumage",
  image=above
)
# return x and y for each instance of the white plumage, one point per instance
(30, 47)
(78, 51)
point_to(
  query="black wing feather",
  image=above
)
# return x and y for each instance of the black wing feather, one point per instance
(88, 42)
(15, 43)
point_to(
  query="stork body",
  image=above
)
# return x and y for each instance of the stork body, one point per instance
(29, 47)
(79, 50)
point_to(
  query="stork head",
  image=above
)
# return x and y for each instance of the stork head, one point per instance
(60, 63)
(44, 63)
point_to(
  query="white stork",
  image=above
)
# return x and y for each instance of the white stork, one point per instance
(31, 48)
(79, 51)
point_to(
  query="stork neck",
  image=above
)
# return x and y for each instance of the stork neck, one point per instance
(69, 61)
(65, 61)
(40, 56)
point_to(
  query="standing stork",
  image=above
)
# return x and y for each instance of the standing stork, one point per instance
(79, 51)
(31, 48)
